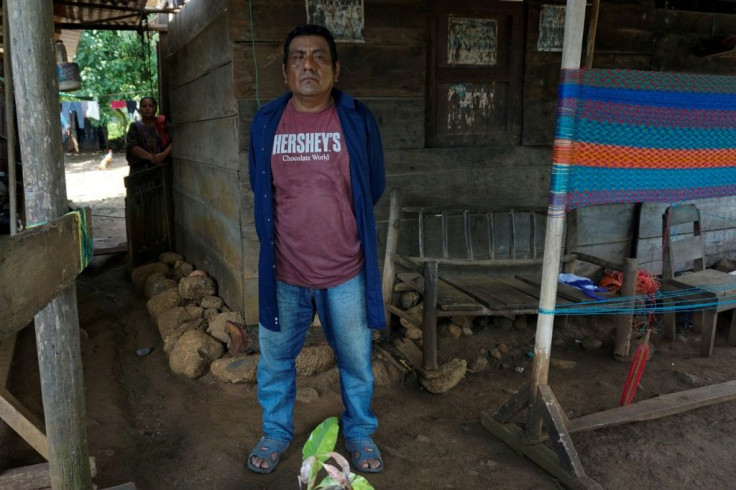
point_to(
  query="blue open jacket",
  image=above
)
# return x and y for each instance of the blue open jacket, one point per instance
(368, 180)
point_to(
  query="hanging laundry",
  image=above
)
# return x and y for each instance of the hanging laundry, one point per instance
(117, 104)
(131, 106)
(91, 109)
(77, 108)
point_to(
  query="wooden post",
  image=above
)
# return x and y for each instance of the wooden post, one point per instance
(429, 315)
(571, 50)
(623, 322)
(592, 28)
(10, 124)
(392, 240)
(57, 325)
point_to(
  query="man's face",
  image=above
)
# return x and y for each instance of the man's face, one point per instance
(308, 71)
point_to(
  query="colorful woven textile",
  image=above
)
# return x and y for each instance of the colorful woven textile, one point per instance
(635, 136)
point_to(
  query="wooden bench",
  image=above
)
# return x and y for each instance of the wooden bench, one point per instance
(473, 262)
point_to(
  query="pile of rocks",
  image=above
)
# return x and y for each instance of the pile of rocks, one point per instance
(200, 333)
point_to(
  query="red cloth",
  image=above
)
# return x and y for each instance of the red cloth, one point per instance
(161, 127)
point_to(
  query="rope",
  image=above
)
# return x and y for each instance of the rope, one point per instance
(662, 302)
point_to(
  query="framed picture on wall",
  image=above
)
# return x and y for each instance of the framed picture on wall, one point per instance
(344, 18)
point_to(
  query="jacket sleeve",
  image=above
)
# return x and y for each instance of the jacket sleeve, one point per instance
(376, 170)
(252, 157)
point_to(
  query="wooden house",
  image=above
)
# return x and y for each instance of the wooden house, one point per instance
(459, 125)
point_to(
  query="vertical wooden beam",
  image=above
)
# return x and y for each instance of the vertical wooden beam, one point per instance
(57, 325)
(429, 315)
(571, 50)
(624, 321)
(592, 29)
(10, 124)
(392, 242)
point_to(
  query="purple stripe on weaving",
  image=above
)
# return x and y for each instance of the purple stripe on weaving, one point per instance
(655, 116)
(577, 199)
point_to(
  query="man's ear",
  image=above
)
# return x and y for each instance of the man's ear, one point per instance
(283, 70)
(337, 70)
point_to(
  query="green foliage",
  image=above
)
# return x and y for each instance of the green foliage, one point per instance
(116, 65)
(318, 449)
(322, 440)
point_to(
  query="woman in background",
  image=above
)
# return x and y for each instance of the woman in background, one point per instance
(147, 142)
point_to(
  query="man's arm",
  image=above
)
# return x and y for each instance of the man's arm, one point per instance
(376, 168)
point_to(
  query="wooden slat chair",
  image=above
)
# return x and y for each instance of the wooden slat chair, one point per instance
(469, 262)
(684, 250)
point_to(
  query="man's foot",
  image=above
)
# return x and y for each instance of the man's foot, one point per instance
(265, 455)
(365, 455)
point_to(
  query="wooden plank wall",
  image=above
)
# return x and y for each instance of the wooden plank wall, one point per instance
(205, 133)
(225, 59)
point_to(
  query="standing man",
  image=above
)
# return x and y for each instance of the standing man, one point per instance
(316, 170)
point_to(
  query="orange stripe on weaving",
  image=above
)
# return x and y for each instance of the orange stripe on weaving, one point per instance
(563, 152)
(592, 155)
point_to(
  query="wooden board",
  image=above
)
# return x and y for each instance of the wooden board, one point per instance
(205, 52)
(658, 407)
(34, 476)
(495, 293)
(448, 297)
(47, 260)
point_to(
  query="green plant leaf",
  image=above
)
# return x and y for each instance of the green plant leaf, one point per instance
(359, 482)
(322, 440)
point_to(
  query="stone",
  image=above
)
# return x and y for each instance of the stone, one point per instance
(170, 319)
(196, 287)
(238, 369)
(479, 365)
(157, 283)
(211, 302)
(423, 439)
(462, 320)
(409, 299)
(173, 335)
(194, 311)
(502, 348)
(163, 301)
(496, 354)
(591, 344)
(467, 332)
(314, 359)
(306, 394)
(170, 258)
(193, 354)
(210, 312)
(183, 269)
(686, 378)
(454, 330)
(140, 274)
(413, 333)
(216, 324)
(450, 374)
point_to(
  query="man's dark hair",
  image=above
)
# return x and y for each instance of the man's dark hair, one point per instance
(311, 30)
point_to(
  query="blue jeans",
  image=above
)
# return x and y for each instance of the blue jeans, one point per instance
(342, 312)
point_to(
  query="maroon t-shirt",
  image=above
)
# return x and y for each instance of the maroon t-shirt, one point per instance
(317, 243)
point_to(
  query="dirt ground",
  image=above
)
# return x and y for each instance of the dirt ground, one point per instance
(162, 431)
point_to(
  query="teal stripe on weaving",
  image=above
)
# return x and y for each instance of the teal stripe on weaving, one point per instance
(586, 179)
(649, 137)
